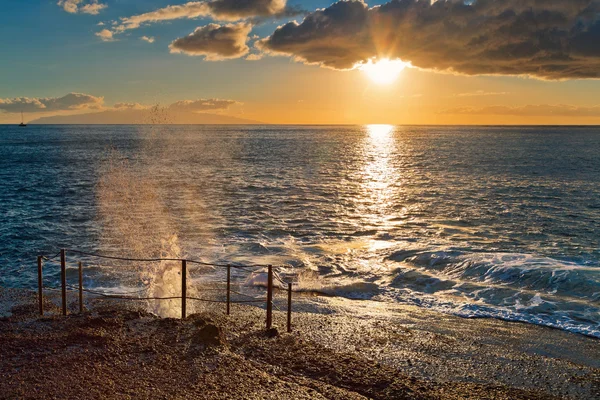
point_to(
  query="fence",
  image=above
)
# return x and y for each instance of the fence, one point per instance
(184, 285)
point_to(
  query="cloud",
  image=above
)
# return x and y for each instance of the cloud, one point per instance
(93, 8)
(130, 106)
(75, 103)
(240, 9)
(69, 102)
(70, 6)
(105, 35)
(481, 93)
(215, 42)
(222, 10)
(81, 6)
(201, 105)
(189, 10)
(552, 39)
(147, 39)
(254, 57)
(540, 110)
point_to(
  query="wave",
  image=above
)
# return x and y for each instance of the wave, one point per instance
(523, 272)
(509, 286)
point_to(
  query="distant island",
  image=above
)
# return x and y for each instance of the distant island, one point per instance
(145, 116)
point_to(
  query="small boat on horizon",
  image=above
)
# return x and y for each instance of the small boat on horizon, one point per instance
(22, 124)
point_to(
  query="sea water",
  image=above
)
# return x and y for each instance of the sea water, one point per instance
(476, 221)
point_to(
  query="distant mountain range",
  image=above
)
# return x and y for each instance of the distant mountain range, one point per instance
(146, 116)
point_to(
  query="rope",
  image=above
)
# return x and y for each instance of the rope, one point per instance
(282, 281)
(109, 293)
(122, 258)
(46, 258)
(138, 298)
(275, 305)
(242, 294)
(163, 259)
(126, 295)
(58, 289)
(223, 301)
(123, 296)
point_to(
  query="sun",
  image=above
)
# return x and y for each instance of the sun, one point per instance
(384, 71)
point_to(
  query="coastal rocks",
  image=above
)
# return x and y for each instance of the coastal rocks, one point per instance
(206, 332)
(209, 335)
(115, 353)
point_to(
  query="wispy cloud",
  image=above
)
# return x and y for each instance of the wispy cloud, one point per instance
(554, 40)
(92, 7)
(195, 106)
(148, 39)
(189, 10)
(538, 110)
(220, 10)
(130, 106)
(202, 105)
(215, 42)
(481, 93)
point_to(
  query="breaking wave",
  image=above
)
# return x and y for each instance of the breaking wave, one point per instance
(509, 286)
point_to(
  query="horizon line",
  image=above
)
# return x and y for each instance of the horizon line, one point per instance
(318, 124)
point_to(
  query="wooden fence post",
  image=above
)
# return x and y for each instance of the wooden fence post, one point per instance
(40, 286)
(289, 308)
(270, 297)
(228, 287)
(63, 280)
(80, 288)
(183, 288)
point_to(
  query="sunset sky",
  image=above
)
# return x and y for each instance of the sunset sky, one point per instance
(472, 61)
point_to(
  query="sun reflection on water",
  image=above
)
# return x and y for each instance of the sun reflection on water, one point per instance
(380, 131)
(379, 174)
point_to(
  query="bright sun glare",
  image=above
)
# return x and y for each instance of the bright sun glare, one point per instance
(379, 131)
(384, 71)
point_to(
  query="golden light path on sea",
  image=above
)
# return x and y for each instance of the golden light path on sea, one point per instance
(379, 175)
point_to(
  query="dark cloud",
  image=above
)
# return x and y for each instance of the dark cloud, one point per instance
(550, 39)
(72, 101)
(215, 42)
(541, 110)
(239, 9)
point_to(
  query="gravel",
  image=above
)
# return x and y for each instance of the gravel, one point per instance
(365, 350)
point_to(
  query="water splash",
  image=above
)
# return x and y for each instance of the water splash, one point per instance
(136, 219)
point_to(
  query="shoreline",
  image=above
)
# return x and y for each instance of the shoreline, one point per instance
(359, 349)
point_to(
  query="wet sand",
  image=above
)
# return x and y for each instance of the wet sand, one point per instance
(356, 349)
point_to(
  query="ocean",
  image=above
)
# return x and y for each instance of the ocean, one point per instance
(499, 222)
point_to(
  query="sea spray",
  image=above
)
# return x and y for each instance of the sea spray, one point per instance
(137, 220)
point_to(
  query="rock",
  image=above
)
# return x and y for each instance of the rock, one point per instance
(199, 320)
(209, 335)
(271, 333)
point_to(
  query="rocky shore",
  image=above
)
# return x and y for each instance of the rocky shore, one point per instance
(362, 350)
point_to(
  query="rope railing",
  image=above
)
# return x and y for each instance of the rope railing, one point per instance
(125, 296)
(183, 297)
(159, 259)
